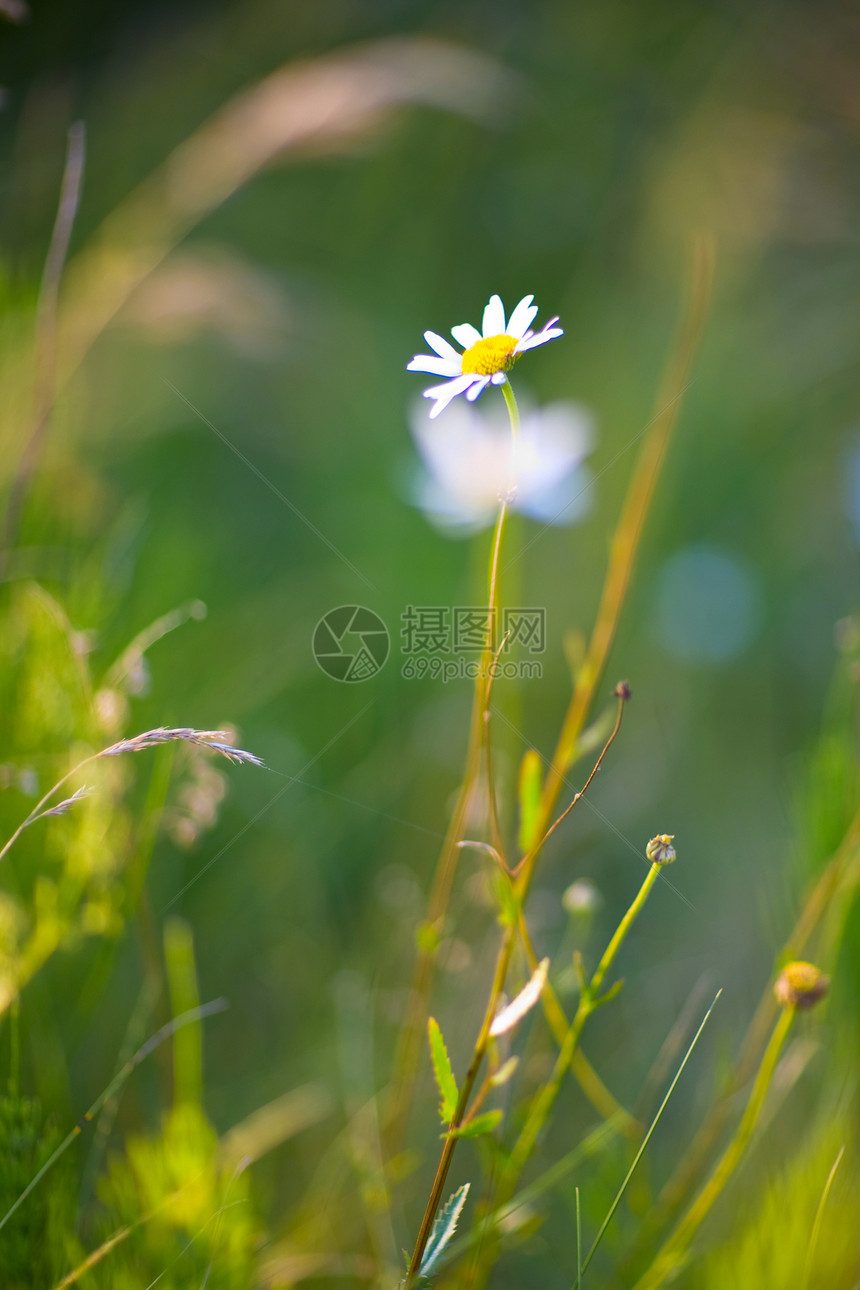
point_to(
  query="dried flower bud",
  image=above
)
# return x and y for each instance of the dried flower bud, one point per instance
(622, 690)
(660, 850)
(800, 985)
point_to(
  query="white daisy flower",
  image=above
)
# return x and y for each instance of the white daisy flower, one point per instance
(486, 358)
(470, 463)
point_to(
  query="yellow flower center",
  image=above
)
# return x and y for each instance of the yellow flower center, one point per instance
(490, 355)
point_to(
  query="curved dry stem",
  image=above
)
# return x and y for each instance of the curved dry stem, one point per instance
(529, 859)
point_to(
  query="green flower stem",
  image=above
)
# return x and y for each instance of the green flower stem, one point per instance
(513, 410)
(675, 1248)
(445, 876)
(411, 1036)
(543, 1104)
(624, 547)
(622, 929)
(586, 1076)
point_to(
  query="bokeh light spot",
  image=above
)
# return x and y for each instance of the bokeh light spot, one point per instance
(708, 605)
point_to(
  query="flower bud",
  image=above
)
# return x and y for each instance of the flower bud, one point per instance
(622, 690)
(660, 850)
(800, 985)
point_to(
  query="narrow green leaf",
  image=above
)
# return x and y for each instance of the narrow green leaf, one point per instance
(504, 1073)
(609, 995)
(476, 1128)
(443, 1229)
(444, 1074)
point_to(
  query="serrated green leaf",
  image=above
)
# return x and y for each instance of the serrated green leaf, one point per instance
(445, 1080)
(478, 1127)
(443, 1229)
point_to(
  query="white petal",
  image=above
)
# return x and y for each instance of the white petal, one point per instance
(531, 342)
(466, 335)
(441, 346)
(498, 378)
(522, 318)
(435, 366)
(494, 317)
(443, 394)
(461, 382)
(478, 388)
(525, 1000)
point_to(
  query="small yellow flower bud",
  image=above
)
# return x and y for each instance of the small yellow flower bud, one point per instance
(800, 985)
(660, 850)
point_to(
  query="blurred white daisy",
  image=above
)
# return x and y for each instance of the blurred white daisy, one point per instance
(486, 358)
(471, 463)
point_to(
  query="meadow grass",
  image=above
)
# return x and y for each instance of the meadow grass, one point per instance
(177, 1203)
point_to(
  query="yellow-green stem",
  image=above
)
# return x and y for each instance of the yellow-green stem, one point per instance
(675, 1248)
(411, 1036)
(623, 928)
(513, 410)
(586, 1076)
(543, 1103)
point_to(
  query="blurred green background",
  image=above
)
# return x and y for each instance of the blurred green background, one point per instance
(565, 149)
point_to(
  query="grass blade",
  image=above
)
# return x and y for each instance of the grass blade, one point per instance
(578, 1240)
(819, 1213)
(612, 1208)
(166, 1031)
